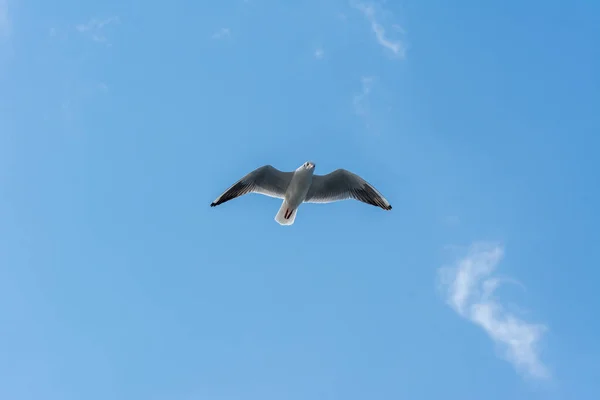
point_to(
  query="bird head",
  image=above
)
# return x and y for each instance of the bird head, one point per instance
(308, 165)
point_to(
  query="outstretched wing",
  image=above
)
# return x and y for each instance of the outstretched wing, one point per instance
(343, 185)
(264, 180)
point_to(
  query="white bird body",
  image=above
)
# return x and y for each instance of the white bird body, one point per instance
(295, 195)
(302, 186)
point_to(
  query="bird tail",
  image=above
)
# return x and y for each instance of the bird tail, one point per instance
(286, 214)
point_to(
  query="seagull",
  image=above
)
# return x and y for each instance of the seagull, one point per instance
(303, 186)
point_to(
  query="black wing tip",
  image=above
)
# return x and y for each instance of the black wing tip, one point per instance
(389, 207)
(213, 204)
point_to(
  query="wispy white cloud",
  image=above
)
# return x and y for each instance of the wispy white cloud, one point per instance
(221, 33)
(319, 53)
(395, 46)
(469, 288)
(95, 28)
(360, 100)
(362, 103)
(4, 19)
(96, 24)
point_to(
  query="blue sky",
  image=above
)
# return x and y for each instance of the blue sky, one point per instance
(120, 121)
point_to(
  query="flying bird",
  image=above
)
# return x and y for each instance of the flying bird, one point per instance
(303, 186)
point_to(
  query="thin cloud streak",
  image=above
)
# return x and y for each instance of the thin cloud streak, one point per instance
(95, 26)
(469, 288)
(96, 23)
(221, 33)
(395, 46)
(360, 100)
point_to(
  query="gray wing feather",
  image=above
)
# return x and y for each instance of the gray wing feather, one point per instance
(264, 180)
(343, 185)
